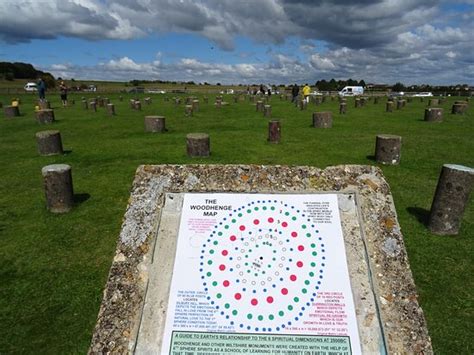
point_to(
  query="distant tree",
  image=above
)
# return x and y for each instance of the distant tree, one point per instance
(362, 83)
(73, 80)
(398, 87)
(218, 84)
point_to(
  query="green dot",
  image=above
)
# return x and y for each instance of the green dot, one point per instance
(260, 317)
(264, 208)
(256, 208)
(209, 262)
(263, 272)
(226, 226)
(219, 234)
(313, 264)
(272, 208)
(246, 256)
(257, 246)
(306, 282)
(209, 273)
(308, 235)
(287, 213)
(303, 226)
(271, 317)
(304, 290)
(296, 299)
(290, 307)
(281, 313)
(240, 215)
(274, 259)
(249, 316)
(233, 221)
(215, 242)
(293, 218)
(214, 283)
(219, 295)
(246, 264)
(248, 271)
(255, 274)
(227, 306)
(314, 253)
(269, 266)
(311, 274)
(234, 312)
(211, 251)
(313, 245)
(249, 211)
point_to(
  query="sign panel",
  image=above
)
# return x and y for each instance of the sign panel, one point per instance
(260, 273)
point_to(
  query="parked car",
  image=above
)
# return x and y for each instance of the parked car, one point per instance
(155, 91)
(352, 91)
(423, 94)
(30, 87)
(137, 90)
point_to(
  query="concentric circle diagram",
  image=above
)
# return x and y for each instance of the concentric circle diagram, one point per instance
(262, 266)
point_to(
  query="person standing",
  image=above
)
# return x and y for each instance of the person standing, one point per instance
(294, 92)
(306, 92)
(41, 89)
(63, 90)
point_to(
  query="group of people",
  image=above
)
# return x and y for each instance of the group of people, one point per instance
(63, 89)
(295, 90)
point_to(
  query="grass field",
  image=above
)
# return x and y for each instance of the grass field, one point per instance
(53, 267)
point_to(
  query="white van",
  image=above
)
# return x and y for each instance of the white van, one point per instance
(30, 87)
(352, 91)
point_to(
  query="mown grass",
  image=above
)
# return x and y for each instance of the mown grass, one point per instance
(53, 267)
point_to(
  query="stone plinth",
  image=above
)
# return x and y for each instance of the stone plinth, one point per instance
(49, 142)
(450, 200)
(267, 111)
(44, 104)
(198, 145)
(322, 119)
(155, 124)
(388, 149)
(45, 116)
(58, 188)
(135, 303)
(111, 109)
(188, 110)
(389, 106)
(342, 108)
(459, 108)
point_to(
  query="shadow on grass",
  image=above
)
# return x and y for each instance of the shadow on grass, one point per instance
(421, 214)
(80, 198)
(67, 152)
(370, 157)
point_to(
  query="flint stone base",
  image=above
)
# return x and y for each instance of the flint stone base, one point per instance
(389, 317)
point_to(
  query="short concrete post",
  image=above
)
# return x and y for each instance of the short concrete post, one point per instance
(188, 110)
(459, 108)
(85, 105)
(132, 104)
(147, 100)
(44, 105)
(206, 99)
(450, 200)
(155, 124)
(93, 106)
(236, 99)
(433, 102)
(267, 111)
(198, 145)
(58, 187)
(111, 109)
(101, 102)
(138, 105)
(259, 106)
(106, 101)
(434, 114)
(274, 131)
(389, 106)
(357, 103)
(342, 108)
(120, 98)
(376, 100)
(399, 104)
(302, 104)
(195, 105)
(49, 142)
(252, 98)
(322, 119)
(388, 149)
(11, 111)
(45, 116)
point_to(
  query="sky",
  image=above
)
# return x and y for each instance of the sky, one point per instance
(243, 41)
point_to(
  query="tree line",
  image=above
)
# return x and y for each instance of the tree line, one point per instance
(11, 71)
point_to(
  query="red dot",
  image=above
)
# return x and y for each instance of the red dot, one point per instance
(270, 299)
(242, 228)
(221, 267)
(294, 234)
(299, 264)
(254, 301)
(300, 247)
(293, 277)
(237, 296)
(233, 238)
(284, 224)
(284, 291)
(271, 220)
(256, 221)
(226, 283)
(225, 252)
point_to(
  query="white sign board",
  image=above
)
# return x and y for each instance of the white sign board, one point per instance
(260, 273)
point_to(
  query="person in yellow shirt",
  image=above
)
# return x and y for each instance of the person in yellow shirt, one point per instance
(306, 91)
